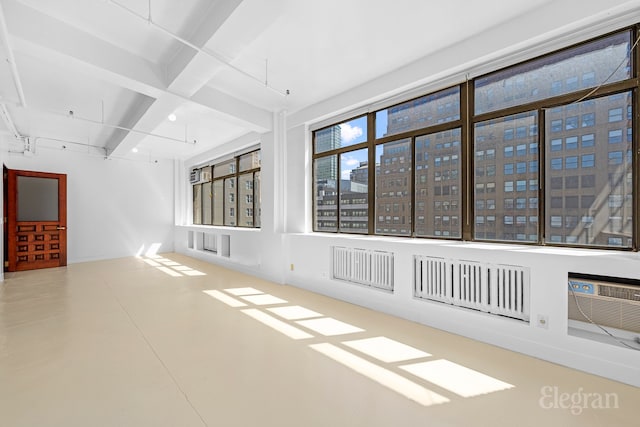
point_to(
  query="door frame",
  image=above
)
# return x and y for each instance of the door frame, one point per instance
(59, 228)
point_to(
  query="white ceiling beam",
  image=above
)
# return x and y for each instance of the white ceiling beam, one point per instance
(10, 58)
(39, 35)
(178, 69)
(188, 73)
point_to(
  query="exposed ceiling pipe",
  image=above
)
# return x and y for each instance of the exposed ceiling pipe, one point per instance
(6, 118)
(97, 122)
(4, 33)
(207, 52)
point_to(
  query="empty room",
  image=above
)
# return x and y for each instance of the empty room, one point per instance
(336, 213)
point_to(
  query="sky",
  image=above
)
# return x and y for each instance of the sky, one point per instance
(354, 132)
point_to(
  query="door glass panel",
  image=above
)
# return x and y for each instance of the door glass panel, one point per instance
(37, 199)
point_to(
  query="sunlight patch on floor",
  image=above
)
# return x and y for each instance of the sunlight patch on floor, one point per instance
(329, 327)
(294, 312)
(386, 350)
(264, 299)
(231, 302)
(243, 291)
(280, 326)
(456, 378)
(383, 376)
(170, 267)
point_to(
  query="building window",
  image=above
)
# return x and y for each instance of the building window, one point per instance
(571, 143)
(615, 115)
(218, 191)
(587, 160)
(615, 136)
(587, 140)
(571, 162)
(419, 156)
(588, 119)
(615, 157)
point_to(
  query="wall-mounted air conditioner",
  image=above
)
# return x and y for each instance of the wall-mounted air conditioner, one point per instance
(194, 177)
(609, 302)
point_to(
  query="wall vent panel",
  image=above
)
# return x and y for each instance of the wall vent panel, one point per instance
(496, 289)
(363, 266)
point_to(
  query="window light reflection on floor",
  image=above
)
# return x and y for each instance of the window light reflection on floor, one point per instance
(383, 376)
(264, 299)
(386, 350)
(294, 312)
(222, 297)
(456, 378)
(170, 267)
(152, 263)
(329, 327)
(280, 326)
(243, 291)
(169, 271)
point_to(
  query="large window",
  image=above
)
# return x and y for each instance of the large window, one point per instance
(393, 188)
(515, 181)
(438, 184)
(585, 66)
(599, 179)
(541, 152)
(228, 192)
(341, 178)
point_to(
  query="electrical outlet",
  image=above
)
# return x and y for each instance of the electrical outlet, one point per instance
(291, 267)
(543, 321)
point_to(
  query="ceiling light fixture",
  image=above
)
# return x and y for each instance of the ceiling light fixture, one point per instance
(172, 117)
(134, 149)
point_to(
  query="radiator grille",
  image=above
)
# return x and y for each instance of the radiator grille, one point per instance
(511, 291)
(433, 279)
(470, 285)
(363, 266)
(496, 289)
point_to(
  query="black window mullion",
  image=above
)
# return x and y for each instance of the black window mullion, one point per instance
(371, 177)
(467, 161)
(542, 170)
(412, 186)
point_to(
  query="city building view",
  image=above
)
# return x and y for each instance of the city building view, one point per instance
(584, 188)
(228, 193)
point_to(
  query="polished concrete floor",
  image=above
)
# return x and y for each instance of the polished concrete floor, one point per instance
(172, 341)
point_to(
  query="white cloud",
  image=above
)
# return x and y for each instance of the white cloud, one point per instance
(348, 164)
(349, 133)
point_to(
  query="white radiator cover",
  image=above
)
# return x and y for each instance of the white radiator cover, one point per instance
(492, 288)
(363, 266)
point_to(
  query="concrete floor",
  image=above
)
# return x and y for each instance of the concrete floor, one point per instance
(173, 341)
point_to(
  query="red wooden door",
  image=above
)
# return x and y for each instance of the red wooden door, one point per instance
(36, 220)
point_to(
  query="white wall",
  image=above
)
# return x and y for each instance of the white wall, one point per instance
(285, 239)
(114, 207)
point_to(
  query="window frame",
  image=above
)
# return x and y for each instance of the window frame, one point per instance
(222, 177)
(468, 162)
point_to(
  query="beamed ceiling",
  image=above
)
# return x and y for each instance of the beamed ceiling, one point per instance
(103, 76)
